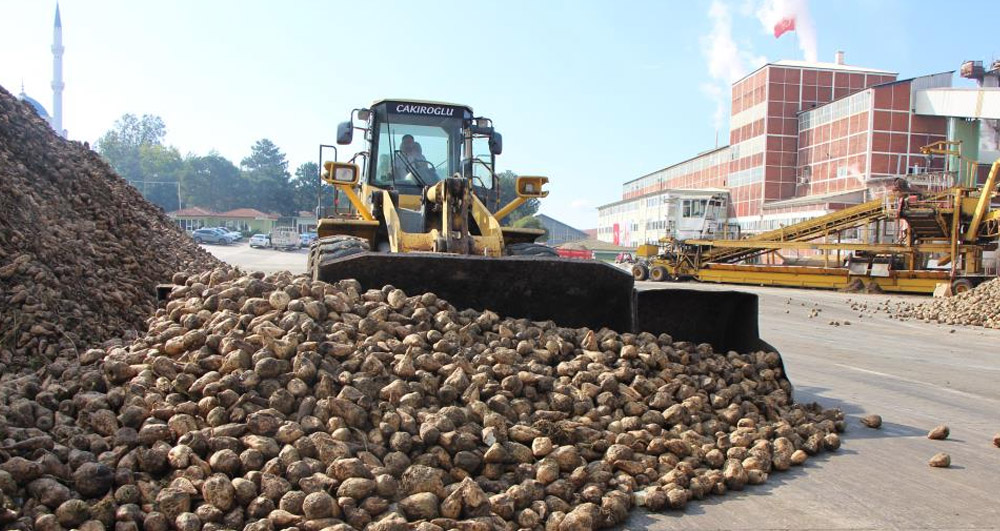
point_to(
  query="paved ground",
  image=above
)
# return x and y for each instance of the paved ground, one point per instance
(269, 260)
(916, 375)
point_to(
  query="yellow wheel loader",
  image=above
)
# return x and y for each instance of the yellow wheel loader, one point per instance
(425, 216)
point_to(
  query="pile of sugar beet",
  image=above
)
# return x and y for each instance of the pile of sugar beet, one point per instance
(81, 251)
(979, 306)
(265, 402)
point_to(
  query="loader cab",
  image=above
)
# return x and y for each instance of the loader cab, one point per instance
(414, 144)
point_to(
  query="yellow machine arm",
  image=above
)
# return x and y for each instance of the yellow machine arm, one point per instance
(985, 196)
(527, 188)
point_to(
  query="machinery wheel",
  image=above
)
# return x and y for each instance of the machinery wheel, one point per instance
(961, 285)
(333, 247)
(530, 249)
(658, 274)
(640, 272)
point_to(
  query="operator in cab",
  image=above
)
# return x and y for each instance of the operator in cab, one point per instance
(411, 160)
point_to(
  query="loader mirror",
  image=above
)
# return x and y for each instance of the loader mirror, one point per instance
(496, 143)
(340, 173)
(345, 133)
(531, 187)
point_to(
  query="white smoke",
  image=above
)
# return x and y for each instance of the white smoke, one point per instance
(771, 12)
(714, 92)
(727, 61)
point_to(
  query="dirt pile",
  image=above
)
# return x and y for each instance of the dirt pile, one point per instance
(979, 306)
(80, 250)
(267, 402)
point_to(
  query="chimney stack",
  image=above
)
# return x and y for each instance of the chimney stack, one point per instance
(839, 58)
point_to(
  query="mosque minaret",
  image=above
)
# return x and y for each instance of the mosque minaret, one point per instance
(56, 118)
(57, 76)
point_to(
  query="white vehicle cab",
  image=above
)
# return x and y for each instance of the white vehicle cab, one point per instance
(285, 238)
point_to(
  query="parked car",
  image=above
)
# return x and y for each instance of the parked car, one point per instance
(260, 240)
(235, 234)
(225, 232)
(211, 236)
(306, 238)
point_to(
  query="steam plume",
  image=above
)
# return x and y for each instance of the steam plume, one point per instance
(727, 62)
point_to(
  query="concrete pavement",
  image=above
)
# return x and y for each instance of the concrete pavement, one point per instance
(267, 260)
(916, 376)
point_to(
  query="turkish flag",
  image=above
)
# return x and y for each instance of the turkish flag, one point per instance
(785, 24)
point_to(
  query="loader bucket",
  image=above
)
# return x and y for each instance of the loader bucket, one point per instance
(574, 293)
(727, 320)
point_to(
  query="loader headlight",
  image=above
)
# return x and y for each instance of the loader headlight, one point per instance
(340, 172)
(531, 186)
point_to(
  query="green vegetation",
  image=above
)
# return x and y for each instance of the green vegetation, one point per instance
(134, 147)
(531, 222)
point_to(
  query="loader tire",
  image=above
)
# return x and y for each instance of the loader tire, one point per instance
(961, 285)
(334, 247)
(658, 274)
(640, 272)
(530, 249)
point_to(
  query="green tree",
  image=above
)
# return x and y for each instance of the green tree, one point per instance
(159, 168)
(212, 182)
(266, 169)
(508, 192)
(307, 185)
(531, 222)
(134, 148)
(129, 132)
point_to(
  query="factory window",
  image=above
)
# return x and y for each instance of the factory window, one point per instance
(745, 177)
(858, 102)
(694, 208)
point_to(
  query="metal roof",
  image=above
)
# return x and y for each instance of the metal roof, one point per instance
(789, 63)
(699, 155)
(829, 66)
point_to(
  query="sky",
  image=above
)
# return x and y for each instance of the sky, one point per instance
(591, 94)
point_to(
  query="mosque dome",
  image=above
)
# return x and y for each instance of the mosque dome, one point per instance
(38, 106)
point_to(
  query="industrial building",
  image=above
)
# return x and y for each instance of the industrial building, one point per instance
(558, 232)
(807, 139)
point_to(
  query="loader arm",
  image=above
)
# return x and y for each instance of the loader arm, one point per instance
(985, 196)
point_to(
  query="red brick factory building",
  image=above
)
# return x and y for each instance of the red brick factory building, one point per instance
(807, 139)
